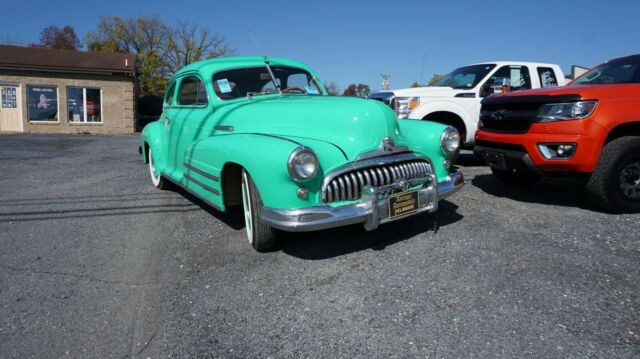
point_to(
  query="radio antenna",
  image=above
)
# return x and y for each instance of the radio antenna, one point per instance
(424, 55)
(266, 62)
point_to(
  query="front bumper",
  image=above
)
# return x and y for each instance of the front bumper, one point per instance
(372, 209)
(522, 149)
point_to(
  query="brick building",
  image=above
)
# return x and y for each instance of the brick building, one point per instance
(63, 91)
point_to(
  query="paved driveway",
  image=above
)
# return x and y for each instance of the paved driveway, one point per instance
(94, 262)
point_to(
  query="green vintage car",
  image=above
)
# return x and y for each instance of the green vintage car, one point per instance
(263, 134)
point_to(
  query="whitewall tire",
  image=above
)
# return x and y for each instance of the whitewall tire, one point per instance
(156, 178)
(260, 235)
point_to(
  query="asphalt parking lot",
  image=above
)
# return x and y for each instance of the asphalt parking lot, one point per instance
(95, 262)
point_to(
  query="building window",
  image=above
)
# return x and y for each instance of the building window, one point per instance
(9, 99)
(43, 103)
(84, 104)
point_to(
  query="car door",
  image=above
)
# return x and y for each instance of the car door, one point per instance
(185, 122)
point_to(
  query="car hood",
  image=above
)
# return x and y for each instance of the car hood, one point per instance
(586, 92)
(354, 125)
(429, 92)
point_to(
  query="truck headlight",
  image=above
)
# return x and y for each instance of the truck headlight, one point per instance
(566, 111)
(450, 141)
(302, 164)
(404, 105)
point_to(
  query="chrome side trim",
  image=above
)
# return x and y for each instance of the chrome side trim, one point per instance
(204, 186)
(201, 172)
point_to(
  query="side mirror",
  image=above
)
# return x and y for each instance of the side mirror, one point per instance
(486, 89)
(499, 85)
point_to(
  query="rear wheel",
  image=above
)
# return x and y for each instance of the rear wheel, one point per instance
(260, 235)
(516, 177)
(157, 179)
(615, 183)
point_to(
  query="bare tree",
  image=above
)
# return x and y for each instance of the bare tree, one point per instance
(435, 78)
(332, 88)
(57, 38)
(160, 49)
(188, 43)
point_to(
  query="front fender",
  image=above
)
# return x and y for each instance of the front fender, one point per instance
(265, 157)
(425, 109)
(154, 136)
(423, 137)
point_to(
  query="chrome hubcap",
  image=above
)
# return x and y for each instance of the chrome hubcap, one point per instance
(630, 180)
(247, 207)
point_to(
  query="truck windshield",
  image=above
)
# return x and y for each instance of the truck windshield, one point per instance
(465, 77)
(620, 71)
(237, 83)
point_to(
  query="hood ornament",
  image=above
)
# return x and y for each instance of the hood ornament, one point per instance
(387, 145)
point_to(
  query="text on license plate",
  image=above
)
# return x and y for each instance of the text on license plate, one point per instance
(403, 203)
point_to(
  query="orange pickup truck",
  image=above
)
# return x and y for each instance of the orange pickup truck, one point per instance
(590, 128)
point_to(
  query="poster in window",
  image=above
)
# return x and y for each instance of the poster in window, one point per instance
(43, 103)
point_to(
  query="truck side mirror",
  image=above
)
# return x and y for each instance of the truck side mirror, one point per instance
(486, 89)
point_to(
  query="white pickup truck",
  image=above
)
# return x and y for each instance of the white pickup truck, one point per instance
(455, 99)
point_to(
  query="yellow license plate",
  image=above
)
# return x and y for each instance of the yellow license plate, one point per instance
(403, 203)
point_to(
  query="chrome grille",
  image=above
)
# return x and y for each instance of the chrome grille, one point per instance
(348, 186)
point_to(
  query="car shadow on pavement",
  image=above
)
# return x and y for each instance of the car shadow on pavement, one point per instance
(232, 217)
(566, 192)
(344, 240)
(468, 159)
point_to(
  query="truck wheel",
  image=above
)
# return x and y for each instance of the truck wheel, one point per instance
(156, 178)
(615, 184)
(260, 235)
(516, 177)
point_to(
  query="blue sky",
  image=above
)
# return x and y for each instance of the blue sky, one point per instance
(356, 41)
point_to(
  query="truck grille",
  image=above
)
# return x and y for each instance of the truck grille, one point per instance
(349, 185)
(507, 119)
(515, 114)
(388, 98)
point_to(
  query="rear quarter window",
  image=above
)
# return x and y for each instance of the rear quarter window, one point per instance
(547, 77)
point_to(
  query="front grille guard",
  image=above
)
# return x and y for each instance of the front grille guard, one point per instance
(384, 174)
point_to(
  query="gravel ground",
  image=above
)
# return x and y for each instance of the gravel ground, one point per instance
(95, 262)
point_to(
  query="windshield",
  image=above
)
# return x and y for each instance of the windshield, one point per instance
(465, 77)
(237, 83)
(620, 71)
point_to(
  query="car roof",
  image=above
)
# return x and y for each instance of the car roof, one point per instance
(211, 66)
(500, 63)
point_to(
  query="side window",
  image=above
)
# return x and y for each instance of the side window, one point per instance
(168, 97)
(547, 77)
(192, 92)
(516, 76)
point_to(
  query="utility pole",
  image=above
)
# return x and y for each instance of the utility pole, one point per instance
(385, 81)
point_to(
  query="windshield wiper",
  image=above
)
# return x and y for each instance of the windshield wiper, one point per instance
(258, 93)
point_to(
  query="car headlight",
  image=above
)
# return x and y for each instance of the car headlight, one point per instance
(566, 111)
(302, 164)
(450, 141)
(404, 105)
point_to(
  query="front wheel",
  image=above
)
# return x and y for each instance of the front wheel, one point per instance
(260, 235)
(615, 183)
(516, 177)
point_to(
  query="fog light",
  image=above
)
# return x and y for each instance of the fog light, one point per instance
(557, 151)
(303, 193)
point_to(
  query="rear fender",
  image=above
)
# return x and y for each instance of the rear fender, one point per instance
(154, 136)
